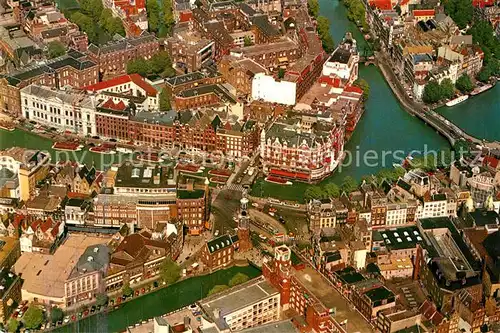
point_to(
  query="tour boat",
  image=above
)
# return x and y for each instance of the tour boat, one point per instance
(67, 146)
(481, 89)
(457, 100)
(7, 126)
(124, 150)
(102, 149)
(278, 180)
(149, 157)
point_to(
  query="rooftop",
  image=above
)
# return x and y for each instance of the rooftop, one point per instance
(94, 258)
(7, 245)
(187, 194)
(379, 294)
(349, 275)
(285, 326)
(399, 238)
(238, 297)
(45, 274)
(143, 176)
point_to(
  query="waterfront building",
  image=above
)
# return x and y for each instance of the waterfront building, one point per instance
(31, 166)
(130, 85)
(238, 139)
(73, 69)
(219, 252)
(139, 256)
(482, 185)
(237, 307)
(112, 119)
(189, 50)
(67, 111)
(112, 58)
(85, 281)
(343, 62)
(306, 148)
(469, 58)
(321, 214)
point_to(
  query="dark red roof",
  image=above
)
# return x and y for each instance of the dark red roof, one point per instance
(46, 225)
(331, 81)
(424, 12)
(491, 161)
(381, 4)
(353, 89)
(55, 229)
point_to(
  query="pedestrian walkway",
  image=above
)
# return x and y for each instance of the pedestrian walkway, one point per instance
(234, 187)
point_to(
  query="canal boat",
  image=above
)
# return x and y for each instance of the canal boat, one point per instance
(278, 180)
(67, 146)
(124, 150)
(457, 100)
(149, 157)
(481, 89)
(103, 149)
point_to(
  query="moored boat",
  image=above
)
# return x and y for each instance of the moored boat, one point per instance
(278, 180)
(102, 150)
(481, 89)
(67, 146)
(124, 150)
(457, 100)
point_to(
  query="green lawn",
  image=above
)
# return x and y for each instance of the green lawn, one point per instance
(294, 192)
(67, 4)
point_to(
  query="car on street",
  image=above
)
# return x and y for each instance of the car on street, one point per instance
(66, 319)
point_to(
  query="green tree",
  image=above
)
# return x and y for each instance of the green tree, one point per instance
(432, 92)
(483, 34)
(170, 272)
(92, 8)
(56, 314)
(464, 84)
(349, 184)
(139, 66)
(160, 63)
(363, 84)
(165, 100)
(247, 41)
(168, 16)
(281, 73)
(314, 192)
(217, 289)
(484, 74)
(237, 279)
(198, 3)
(114, 25)
(33, 317)
(331, 190)
(447, 88)
(460, 11)
(56, 49)
(13, 325)
(426, 162)
(323, 28)
(313, 7)
(86, 24)
(127, 290)
(101, 299)
(153, 10)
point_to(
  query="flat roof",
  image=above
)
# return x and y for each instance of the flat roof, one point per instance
(331, 298)
(239, 297)
(45, 274)
(349, 275)
(400, 238)
(285, 326)
(7, 245)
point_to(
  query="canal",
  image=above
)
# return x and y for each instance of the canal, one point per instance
(158, 303)
(479, 116)
(385, 128)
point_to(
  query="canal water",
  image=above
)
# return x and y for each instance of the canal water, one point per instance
(384, 128)
(158, 303)
(479, 116)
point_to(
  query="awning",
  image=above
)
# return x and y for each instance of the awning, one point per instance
(283, 59)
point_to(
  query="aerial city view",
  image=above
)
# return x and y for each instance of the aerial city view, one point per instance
(254, 166)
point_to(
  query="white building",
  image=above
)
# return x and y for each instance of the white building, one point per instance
(343, 62)
(266, 88)
(130, 85)
(76, 211)
(69, 110)
(396, 214)
(435, 206)
(236, 308)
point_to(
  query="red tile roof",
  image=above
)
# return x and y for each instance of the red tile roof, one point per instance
(46, 225)
(185, 16)
(404, 2)
(491, 161)
(424, 12)
(353, 89)
(55, 229)
(109, 104)
(483, 3)
(381, 4)
(135, 78)
(331, 81)
(35, 224)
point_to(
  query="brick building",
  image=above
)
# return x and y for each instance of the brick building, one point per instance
(239, 72)
(192, 208)
(219, 252)
(179, 83)
(189, 50)
(306, 155)
(113, 57)
(73, 69)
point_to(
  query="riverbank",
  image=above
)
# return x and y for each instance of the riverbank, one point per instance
(155, 304)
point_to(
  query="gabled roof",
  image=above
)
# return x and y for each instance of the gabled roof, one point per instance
(219, 243)
(134, 78)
